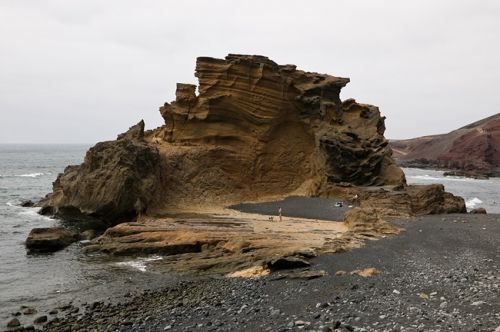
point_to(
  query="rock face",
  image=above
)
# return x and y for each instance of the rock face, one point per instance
(116, 180)
(256, 130)
(474, 149)
(414, 200)
(49, 239)
(266, 129)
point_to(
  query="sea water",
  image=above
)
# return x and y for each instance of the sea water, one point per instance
(45, 281)
(477, 193)
(48, 280)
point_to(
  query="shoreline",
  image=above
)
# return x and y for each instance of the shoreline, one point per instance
(441, 274)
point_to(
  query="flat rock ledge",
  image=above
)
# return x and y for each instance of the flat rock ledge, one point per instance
(230, 241)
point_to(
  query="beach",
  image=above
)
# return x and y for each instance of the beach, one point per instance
(441, 274)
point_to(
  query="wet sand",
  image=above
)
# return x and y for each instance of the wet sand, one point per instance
(442, 274)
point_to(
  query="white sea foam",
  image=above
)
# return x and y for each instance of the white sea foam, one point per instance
(471, 203)
(32, 213)
(427, 177)
(139, 263)
(30, 175)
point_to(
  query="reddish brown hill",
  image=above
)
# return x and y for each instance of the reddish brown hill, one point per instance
(473, 148)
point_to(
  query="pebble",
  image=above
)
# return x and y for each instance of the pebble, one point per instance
(283, 305)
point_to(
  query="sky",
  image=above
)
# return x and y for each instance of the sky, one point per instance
(82, 71)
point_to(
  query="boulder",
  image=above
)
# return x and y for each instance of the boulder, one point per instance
(285, 263)
(40, 319)
(367, 222)
(88, 234)
(49, 239)
(414, 200)
(27, 203)
(478, 210)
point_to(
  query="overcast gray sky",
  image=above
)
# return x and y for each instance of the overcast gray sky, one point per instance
(84, 71)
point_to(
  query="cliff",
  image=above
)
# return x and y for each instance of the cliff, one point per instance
(473, 149)
(251, 130)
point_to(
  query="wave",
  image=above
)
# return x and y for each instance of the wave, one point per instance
(427, 177)
(32, 213)
(139, 263)
(30, 175)
(471, 203)
(27, 175)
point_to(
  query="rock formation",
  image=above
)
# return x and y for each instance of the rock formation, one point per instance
(116, 180)
(255, 129)
(49, 239)
(473, 149)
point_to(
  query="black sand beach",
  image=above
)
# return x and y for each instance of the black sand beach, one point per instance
(299, 207)
(442, 274)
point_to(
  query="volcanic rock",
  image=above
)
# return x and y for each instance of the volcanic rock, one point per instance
(49, 239)
(27, 203)
(116, 180)
(284, 263)
(255, 129)
(14, 322)
(479, 210)
(474, 149)
(414, 200)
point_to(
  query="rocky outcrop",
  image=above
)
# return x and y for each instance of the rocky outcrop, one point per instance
(479, 210)
(367, 222)
(414, 200)
(49, 239)
(224, 242)
(255, 129)
(117, 180)
(473, 149)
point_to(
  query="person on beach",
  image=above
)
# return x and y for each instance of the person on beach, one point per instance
(280, 210)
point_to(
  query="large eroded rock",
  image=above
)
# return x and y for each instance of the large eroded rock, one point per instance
(116, 180)
(255, 130)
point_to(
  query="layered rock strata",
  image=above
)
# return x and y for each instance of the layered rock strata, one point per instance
(255, 130)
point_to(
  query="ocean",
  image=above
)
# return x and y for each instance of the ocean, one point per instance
(47, 281)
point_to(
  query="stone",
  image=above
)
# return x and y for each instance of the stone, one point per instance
(14, 322)
(88, 234)
(40, 320)
(29, 311)
(478, 210)
(284, 263)
(306, 274)
(49, 239)
(367, 221)
(27, 203)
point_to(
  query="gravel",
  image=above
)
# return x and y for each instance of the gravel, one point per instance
(442, 274)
